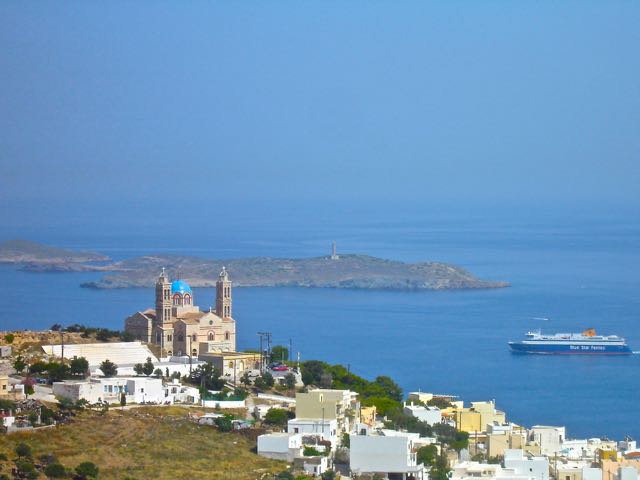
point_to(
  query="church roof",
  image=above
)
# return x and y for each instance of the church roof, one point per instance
(181, 287)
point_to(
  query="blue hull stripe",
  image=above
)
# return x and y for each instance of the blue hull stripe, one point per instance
(517, 347)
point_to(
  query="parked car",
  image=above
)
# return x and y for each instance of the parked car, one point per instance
(280, 368)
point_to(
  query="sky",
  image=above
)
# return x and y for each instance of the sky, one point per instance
(115, 108)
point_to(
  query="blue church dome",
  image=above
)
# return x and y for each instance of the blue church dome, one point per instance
(181, 287)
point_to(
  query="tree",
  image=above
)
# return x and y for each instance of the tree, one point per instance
(87, 470)
(277, 417)
(39, 367)
(9, 337)
(383, 405)
(312, 370)
(328, 475)
(55, 470)
(245, 379)
(290, 381)
(103, 335)
(207, 376)
(58, 372)
(23, 450)
(147, 368)
(157, 373)
(127, 337)
(224, 423)
(19, 363)
(268, 379)
(279, 353)
(108, 368)
(25, 468)
(427, 455)
(138, 368)
(259, 383)
(346, 440)
(28, 383)
(79, 366)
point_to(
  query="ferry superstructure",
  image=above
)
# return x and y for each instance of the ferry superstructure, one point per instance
(585, 343)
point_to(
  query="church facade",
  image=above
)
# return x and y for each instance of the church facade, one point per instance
(179, 327)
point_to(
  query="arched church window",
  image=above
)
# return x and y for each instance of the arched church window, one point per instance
(169, 352)
(194, 352)
(176, 299)
(187, 299)
(211, 336)
(194, 337)
(226, 335)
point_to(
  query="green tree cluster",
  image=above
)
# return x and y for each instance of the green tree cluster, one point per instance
(207, 376)
(277, 417)
(108, 368)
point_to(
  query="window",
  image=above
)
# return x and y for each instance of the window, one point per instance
(194, 337)
(194, 352)
(226, 335)
(211, 336)
(187, 299)
(296, 430)
(169, 338)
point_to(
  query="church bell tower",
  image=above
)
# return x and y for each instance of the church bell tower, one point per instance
(163, 299)
(223, 295)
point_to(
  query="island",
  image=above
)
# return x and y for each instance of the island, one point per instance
(25, 252)
(347, 271)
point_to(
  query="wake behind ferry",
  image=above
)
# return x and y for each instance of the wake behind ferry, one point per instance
(585, 343)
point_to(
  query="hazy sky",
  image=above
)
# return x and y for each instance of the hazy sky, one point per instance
(124, 103)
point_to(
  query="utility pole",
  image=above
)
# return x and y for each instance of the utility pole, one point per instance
(290, 349)
(62, 344)
(265, 340)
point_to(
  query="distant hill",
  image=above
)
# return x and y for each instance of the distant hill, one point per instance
(349, 271)
(25, 251)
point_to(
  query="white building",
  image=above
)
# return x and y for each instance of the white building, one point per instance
(326, 429)
(385, 455)
(175, 392)
(548, 437)
(521, 464)
(429, 415)
(315, 466)
(280, 446)
(486, 471)
(589, 473)
(110, 390)
(627, 473)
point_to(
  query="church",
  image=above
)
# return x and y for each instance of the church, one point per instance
(179, 327)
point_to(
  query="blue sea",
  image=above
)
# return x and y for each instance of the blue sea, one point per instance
(568, 272)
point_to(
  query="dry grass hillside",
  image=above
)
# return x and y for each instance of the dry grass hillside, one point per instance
(148, 443)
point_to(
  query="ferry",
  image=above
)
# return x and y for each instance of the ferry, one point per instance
(585, 343)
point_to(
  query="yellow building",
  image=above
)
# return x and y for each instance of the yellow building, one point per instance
(478, 416)
(233, 364)
(368, 416)
(339, 405)
(4, 386)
